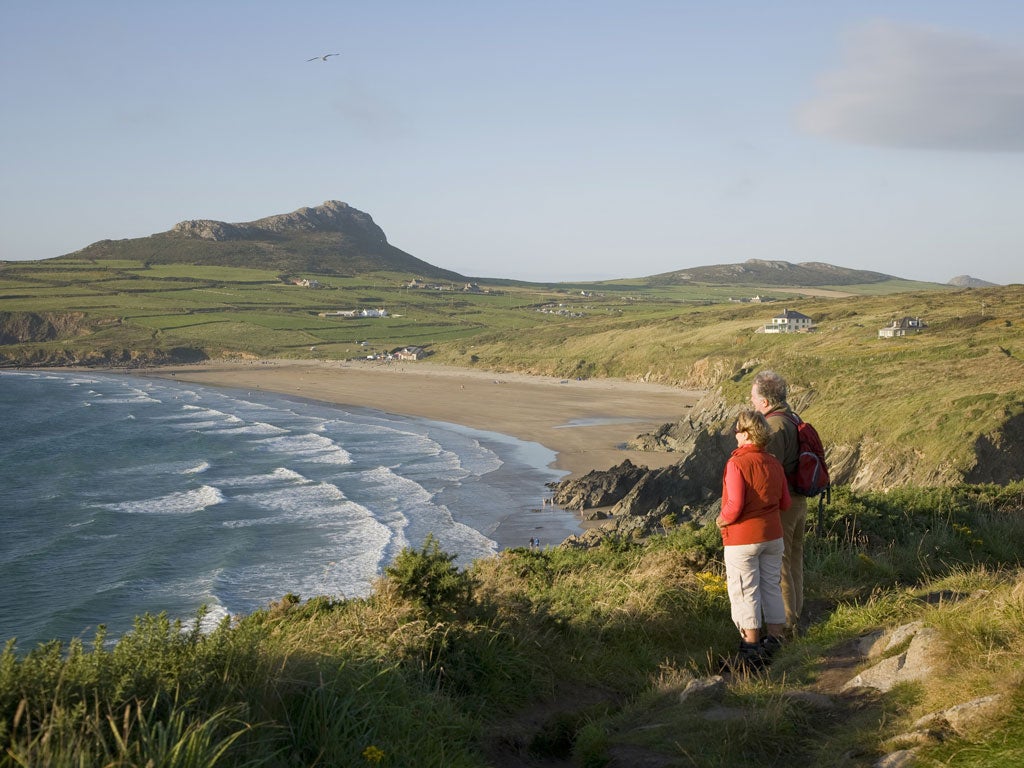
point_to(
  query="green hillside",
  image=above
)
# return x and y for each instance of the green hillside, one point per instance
(918, 409)
(923, 405)
(781, 273)
(333, 238)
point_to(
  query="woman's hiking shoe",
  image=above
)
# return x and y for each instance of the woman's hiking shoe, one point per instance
(770, 644)
(752, 657)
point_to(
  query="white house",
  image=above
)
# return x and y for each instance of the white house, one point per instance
(356, 313)
(411, 353)
(790, 321)
(902, 327)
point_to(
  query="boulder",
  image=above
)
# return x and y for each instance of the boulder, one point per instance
(597, 488)
(711, 688)
(904, 758)
(915, 663)
(963, 718)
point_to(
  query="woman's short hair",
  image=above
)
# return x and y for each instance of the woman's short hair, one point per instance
(754, 424)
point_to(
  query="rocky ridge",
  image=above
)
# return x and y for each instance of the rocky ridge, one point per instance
(641, 498)
(634, 501)
(332, 216)
(966, 281)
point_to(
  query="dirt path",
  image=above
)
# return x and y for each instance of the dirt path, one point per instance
(542, 735)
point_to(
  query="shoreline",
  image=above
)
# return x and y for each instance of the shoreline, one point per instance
(585, 423)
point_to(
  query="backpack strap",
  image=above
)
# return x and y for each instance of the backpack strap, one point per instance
(792, 417)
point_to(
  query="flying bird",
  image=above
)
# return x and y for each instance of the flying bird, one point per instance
(324, 57)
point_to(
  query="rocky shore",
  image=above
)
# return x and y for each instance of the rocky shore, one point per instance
(633, 501)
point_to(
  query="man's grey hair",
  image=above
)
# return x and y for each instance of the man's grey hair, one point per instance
(772, 387)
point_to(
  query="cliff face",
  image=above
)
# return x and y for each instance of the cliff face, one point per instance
(99, 358)
(38, 328)
(1000, 457)
(25, 327)
(691, 488)
(865, 465)
(703, 440)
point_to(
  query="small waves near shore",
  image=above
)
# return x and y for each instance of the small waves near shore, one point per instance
(122, 495)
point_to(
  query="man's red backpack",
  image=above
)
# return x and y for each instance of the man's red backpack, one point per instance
(810, 478)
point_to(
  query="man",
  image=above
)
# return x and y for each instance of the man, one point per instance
(768, 395)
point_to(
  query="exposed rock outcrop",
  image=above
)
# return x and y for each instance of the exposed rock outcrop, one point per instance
(999, 456)
(332, 216)
(208, 229)
(642, 497)
(33, 327)
(914, 663)
(690, 489)
(24, 338)
(598, 488)
(60, 357)
(966, 281)
(904, 654)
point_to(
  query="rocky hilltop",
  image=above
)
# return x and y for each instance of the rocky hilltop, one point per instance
(966, 281)
(332, 238)
(332, 216)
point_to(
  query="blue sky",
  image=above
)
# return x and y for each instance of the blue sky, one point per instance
(549, 140)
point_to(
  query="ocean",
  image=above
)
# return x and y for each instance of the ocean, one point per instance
(122, 495)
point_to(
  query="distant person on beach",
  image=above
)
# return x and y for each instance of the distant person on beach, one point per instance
(768, 395)
(754, 490)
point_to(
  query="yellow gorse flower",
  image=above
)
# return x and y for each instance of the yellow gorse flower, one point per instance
(373, 754)
(712, 584)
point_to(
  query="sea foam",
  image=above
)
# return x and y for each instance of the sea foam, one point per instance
(210, 498)
(177, 503)
(308, 447)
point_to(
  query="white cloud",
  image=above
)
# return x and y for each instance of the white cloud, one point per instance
(922, 87)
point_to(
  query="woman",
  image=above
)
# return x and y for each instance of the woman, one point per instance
(754, 490)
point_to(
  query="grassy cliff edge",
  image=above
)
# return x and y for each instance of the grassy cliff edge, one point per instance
(565, 657)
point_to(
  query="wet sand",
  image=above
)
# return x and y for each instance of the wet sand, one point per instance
(585, 422)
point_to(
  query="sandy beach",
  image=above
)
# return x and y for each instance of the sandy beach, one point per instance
(585, 422)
